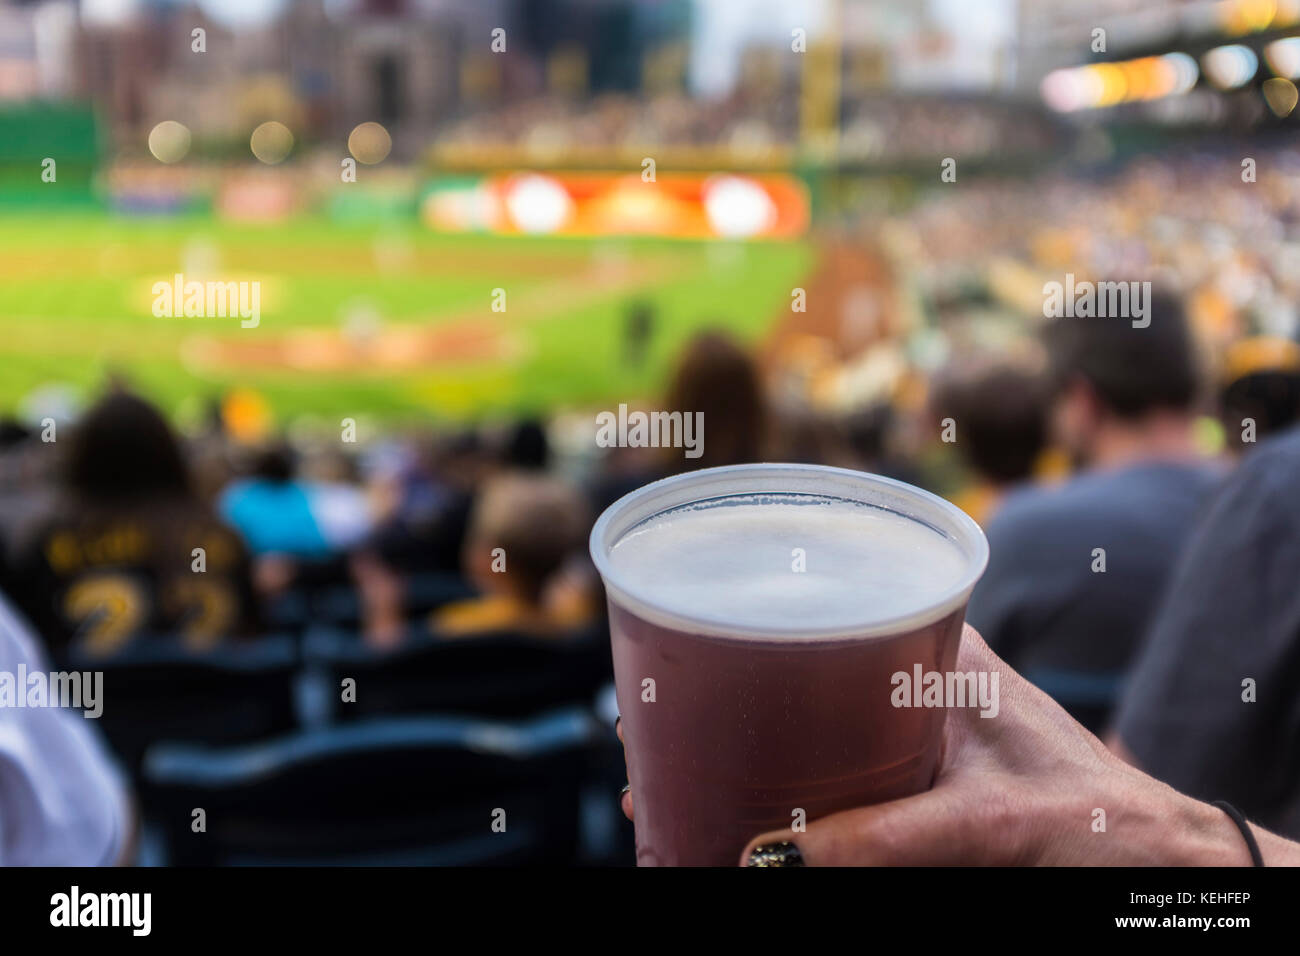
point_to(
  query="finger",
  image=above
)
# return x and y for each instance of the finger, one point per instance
(625, 797)
(928, 829)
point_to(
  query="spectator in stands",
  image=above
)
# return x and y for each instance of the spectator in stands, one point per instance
(129, 549)
(27, 467)
(61, 802)
(431, 493)
(999, 412)
(425, 526)
(1212, 707)
(278, 513)
(525, 534)
(527, 447)
(870, 436)
(1076, 570)
(717, 377)
(1261, 396)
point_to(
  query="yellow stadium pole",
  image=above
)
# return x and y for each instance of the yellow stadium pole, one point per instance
(819, 102)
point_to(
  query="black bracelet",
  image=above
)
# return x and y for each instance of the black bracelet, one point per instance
(1235, 815)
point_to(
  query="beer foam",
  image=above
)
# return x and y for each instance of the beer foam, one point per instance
(734, 561)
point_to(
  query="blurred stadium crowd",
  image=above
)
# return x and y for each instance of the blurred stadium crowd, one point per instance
(754, 124)
(357, 652)
(230, 590)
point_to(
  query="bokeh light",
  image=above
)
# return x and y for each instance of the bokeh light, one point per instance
(1229, 67)
(538, 204)
(1098, 85)
(738, 207)
(169, 141)
(1281, 95)
(370, 143)
(1186, 72)
(271, 142)
(1247, 16)
(1283, 57)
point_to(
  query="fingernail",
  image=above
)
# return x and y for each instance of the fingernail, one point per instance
(776, 854)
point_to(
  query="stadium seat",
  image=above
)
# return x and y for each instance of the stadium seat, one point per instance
(496, 675)
(289, 612)
(156, 690)
(340, 606)
(406, 791)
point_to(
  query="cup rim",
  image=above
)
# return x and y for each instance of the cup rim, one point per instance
(650, 500)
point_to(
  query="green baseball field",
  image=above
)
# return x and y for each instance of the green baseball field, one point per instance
(391, 321)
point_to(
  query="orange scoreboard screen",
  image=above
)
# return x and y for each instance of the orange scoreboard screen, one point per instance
(689, 206)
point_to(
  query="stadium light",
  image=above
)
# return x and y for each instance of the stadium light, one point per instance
(1281, 96)
(1250, 16)
(1231, 66)
(738, 208)
(169, 141)
(1283, 57)
(370, 143)
(538, 204)
(1186, 72)
(1098, 85)
(271, 142)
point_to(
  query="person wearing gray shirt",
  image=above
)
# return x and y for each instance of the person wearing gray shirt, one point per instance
(1213, 704)
(1076, 571)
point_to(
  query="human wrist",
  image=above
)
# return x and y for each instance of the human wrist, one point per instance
(1205, 835)
(1158, 826)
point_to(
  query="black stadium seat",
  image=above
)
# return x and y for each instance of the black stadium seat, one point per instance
(340, 605)
(156, 690)
(499, 675)
(405, 791)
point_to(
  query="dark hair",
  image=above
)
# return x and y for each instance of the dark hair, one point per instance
(867, 430)
(1132, 370)
(13, 432)
(123, 449)
(1271, 397)
(275, 463)
(1002, 410)
(527, 447)
(718, 377)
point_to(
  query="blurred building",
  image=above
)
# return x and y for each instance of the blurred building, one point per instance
(319, 69)
(36, 50)
(323, 68)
